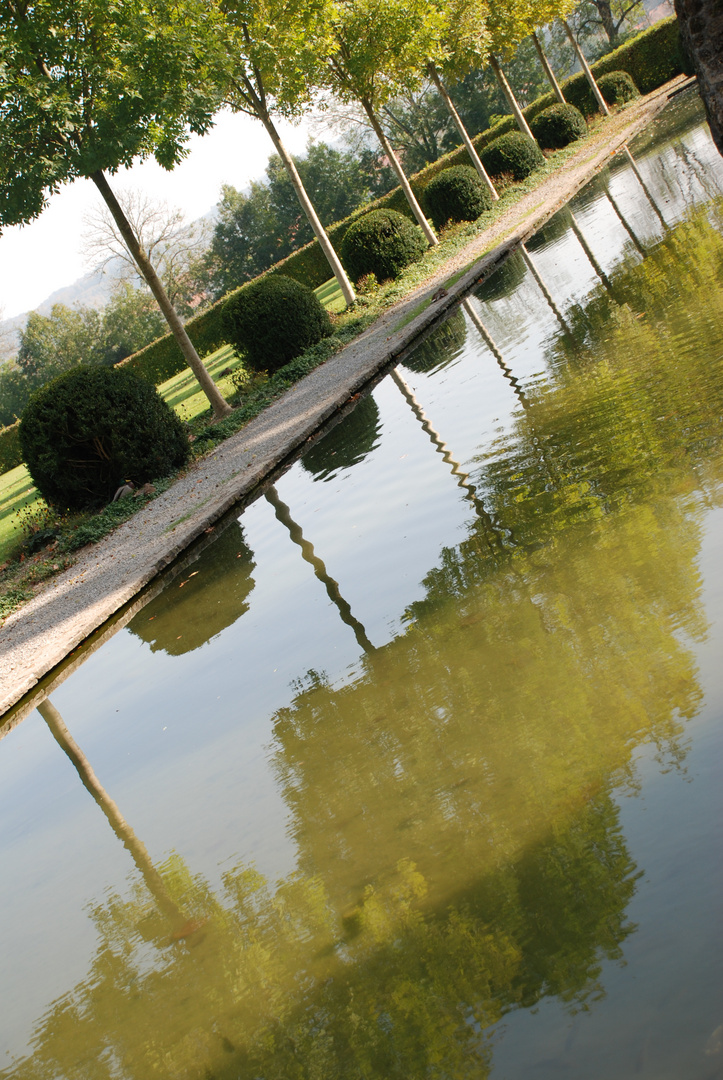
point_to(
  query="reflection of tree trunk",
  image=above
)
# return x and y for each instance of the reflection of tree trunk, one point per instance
(308, 207)
(119, 825)
(645, 188)
(589, 253)
(548, 69)
(469, 490)
(511, 99)
(543, 288)
(401, 175)
(623, 222)
(218, 403)
(283, 514)
(586, 68)
(482, 172)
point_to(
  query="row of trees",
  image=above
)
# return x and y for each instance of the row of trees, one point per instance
(84, 91)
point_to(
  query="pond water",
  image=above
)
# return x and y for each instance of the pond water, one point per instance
(413, 771)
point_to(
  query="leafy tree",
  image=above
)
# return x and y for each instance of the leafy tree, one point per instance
(52, 344)
(131, 320)
(86, 89)
(381, 49)
(272, 54)
(593, 16)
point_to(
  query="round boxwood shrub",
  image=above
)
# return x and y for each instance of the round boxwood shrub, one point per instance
(273, 320)
(456, 194)
(617, 87)
(86, 432)
(514, 153)
(558, 126)
(382, 243)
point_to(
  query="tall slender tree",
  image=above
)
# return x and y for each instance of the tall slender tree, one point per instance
(273, 53)
(382, 48)
(86, 88)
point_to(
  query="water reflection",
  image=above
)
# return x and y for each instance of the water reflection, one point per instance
(347, 443)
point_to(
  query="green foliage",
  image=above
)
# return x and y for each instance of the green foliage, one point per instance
(131, 320)
(52, 344)
(10, 453)
(382, 243)
(87, 87)
(617, 87)
(456, 194)
(514, 153)
(651, 59)
(86, 432)
(345, 444)
(273, 320)
(503, 281)
(557, 126)
(441, 347)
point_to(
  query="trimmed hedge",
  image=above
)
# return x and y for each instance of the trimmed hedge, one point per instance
(382, 243)
(10, 453)
(651, 59)
(273, 320)
(456, 194)
(90, 429)
(514, 153)
(558, 126)
(617, 87)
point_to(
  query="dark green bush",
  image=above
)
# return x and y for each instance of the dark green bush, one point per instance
(514, 153)
(86, 432)
(273, 320)
(617, 87)
(382, 243)
(10, 453)
(457, 194)
(558, 126)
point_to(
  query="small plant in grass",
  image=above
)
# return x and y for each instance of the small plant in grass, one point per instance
(383, 243)
(617, 87)
(514, 153)
(456, 194)
(367, 284)
(88, 431)
(273, 320)
(558, 126)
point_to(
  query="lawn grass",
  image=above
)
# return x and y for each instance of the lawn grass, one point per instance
(17, 493)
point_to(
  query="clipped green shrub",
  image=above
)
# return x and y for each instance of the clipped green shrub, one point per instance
(382, 243)
(273, 320)
(617, 87)
(457, 194)
(86, 432)
(10, 452)
(558, 126)
(514, 153)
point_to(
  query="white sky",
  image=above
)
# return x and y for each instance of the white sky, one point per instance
(45, 255)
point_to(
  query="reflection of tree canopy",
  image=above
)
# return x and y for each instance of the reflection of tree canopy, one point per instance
(347, 443)
(211, 594)
(442, 346)
(554, 229)
(280, 984)
(504, 281)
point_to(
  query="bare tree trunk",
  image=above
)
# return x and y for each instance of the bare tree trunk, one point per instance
(401, 176)
(511, 99)
(463, 132)
(701, 32)
(218, 403)
(548, 69)
(117, 822)
(586, 68)
(307, 206)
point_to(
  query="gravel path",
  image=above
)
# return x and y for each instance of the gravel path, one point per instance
(107, 575)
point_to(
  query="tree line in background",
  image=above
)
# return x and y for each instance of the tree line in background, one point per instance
(377, 68)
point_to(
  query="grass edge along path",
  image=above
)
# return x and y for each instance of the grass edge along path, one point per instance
(288, 412)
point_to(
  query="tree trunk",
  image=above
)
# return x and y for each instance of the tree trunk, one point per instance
(218, 403)
(701, 33)
(307, 206)
(586, 68)
(606, 18)
(462, 131)
(117, 822)
(401, 176)
(548, 69)
(511, 99)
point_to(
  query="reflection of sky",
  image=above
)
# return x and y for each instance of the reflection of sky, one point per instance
(185, 755)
